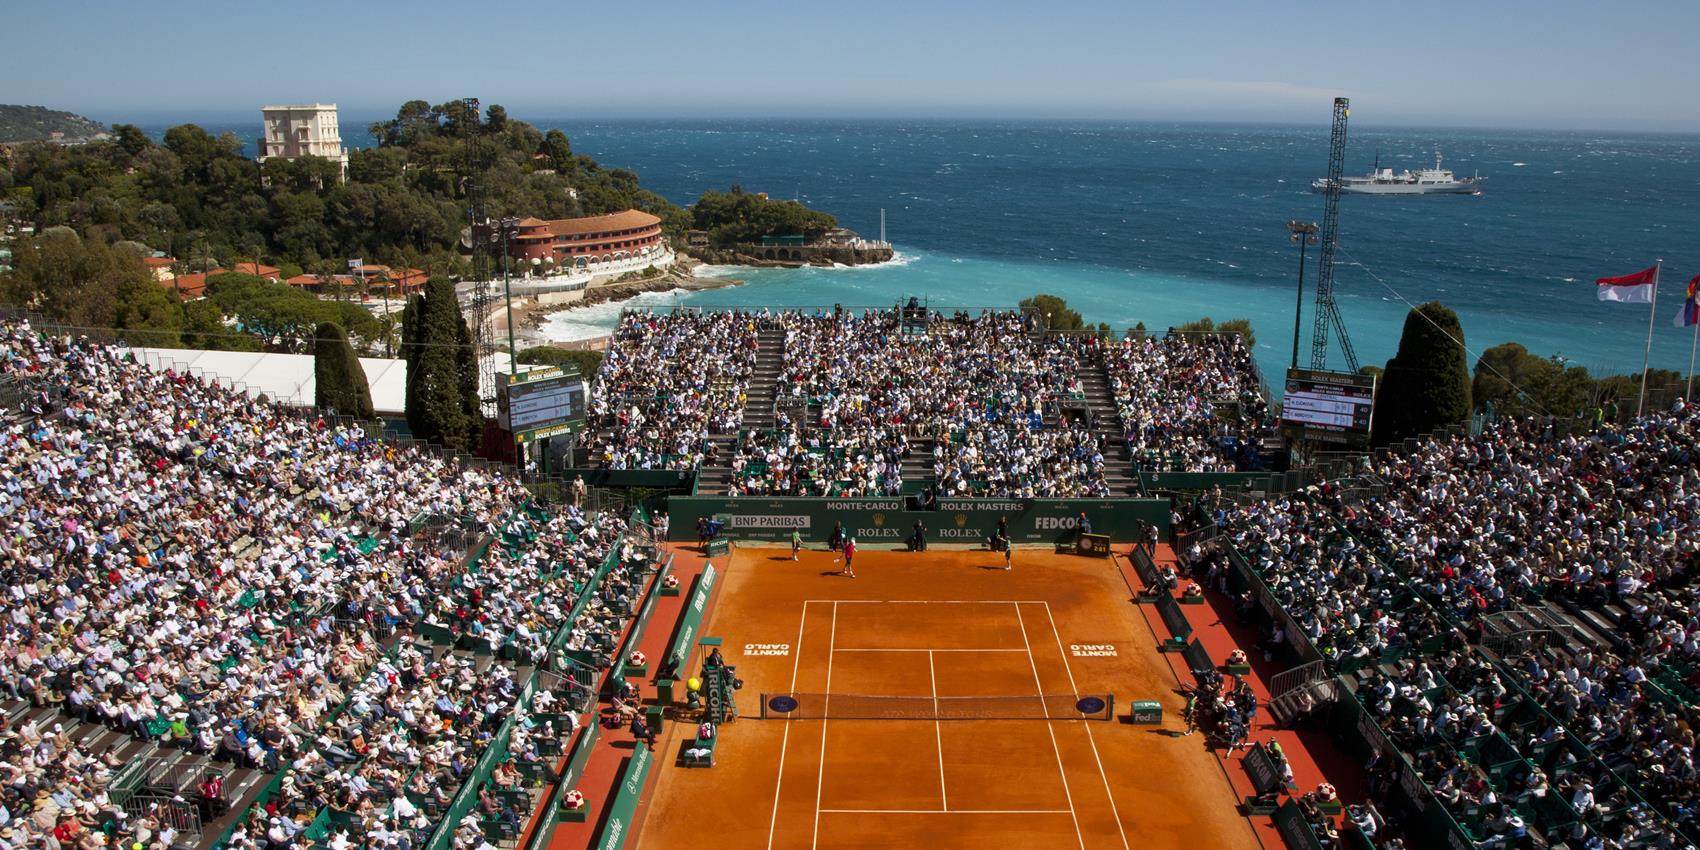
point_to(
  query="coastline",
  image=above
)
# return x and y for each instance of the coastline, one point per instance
(531, 312)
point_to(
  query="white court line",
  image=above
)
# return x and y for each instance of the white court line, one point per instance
(928, 601)
(949, 812)
(938, 732)
(826, 711)
(1055, 750)
(970, 649)
(785, 739)
(1088, 727)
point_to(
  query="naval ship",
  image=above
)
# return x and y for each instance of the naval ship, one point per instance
(1423, 181)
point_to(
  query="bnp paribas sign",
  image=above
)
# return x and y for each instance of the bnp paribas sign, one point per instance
(768, 521)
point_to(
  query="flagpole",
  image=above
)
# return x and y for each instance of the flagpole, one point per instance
(1647, 358)
(1688, 395)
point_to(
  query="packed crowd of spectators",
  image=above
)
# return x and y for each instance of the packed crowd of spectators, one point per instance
(1003, 405)
(858, 460)
(667, 382)
(208, 571)
(53, 793)
(985, 389)
(1519, 518)
(1172, 392)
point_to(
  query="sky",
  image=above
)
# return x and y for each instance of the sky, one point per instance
(1559, 64)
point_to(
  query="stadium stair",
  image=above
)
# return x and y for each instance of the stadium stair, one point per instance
(918, 463)
(764, 379)
(716, 478)
(162, 769)
(1118, 463)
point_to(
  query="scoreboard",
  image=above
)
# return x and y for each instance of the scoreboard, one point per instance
(1328, 407)
(540, 403)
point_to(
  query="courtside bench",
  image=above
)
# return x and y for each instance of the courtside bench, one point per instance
(704, 760)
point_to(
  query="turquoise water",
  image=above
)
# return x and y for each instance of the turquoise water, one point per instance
(1164, 224)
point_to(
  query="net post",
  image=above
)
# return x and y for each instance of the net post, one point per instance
(1109, 706)
(764, 705)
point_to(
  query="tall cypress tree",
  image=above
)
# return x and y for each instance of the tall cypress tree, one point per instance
(339, 382)
(434, 334)
(1426, 386)
(466, 370)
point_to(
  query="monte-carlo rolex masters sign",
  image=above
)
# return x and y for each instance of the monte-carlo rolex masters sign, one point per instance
(890, 520)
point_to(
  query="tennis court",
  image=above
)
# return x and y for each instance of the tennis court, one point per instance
(938, 700)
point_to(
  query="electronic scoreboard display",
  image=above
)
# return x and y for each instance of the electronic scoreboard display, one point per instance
(1328, 407)
(547, 401)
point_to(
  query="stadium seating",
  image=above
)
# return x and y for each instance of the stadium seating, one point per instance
(1517, 611)
(867, 404)
(209, 585)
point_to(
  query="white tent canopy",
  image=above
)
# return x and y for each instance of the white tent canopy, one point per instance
(284, 378)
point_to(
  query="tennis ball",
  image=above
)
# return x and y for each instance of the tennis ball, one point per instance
(694, 683)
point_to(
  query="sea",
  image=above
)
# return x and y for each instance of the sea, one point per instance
(1164, 223)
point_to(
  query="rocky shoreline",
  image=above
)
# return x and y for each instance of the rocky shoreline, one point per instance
(530, 313)
(797, 256)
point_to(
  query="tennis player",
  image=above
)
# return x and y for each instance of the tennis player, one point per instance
(796, 543)
(1006, 556)
(849, 555)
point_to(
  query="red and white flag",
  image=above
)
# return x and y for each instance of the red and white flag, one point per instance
(1634, 288)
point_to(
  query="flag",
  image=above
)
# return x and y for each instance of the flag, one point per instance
(1634, 288)
(1689, 315)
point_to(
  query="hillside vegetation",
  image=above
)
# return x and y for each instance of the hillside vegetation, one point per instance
(38, 124)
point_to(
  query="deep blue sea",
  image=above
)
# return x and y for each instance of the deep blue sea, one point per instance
(1164, 223)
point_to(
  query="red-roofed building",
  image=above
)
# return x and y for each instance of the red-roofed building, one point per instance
(159, 267)
(382, 280)
(271, 273)
(188, 287)
(583, 242)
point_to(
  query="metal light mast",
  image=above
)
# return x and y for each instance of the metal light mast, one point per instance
(483, 340)
(1327, 312)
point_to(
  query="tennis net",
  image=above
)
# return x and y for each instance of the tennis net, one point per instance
(817, 706)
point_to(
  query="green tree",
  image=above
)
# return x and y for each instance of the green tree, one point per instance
(1663, 387)
(1207, 325)
(88, 283)
(197, 197)
(1053, 313)
(466, 373)
(1426, 385)
(339, 381)
(738, 217)
(204, 328)
(1511, 381)
(1241, 327)
(280, 310)
(558, 149)
(433, 337)
(130, 139)
(587, 362)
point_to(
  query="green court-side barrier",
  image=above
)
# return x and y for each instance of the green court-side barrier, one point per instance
(691, 620)
(624, 807)
(1048, 521)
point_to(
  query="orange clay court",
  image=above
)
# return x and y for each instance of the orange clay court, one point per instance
(944, 624)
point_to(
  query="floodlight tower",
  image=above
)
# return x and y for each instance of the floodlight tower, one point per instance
(1327, 312)
(473, 177)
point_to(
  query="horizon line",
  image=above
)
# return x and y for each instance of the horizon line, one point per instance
(178, 118)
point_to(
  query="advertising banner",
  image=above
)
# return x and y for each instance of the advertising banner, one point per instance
(1049, 521)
